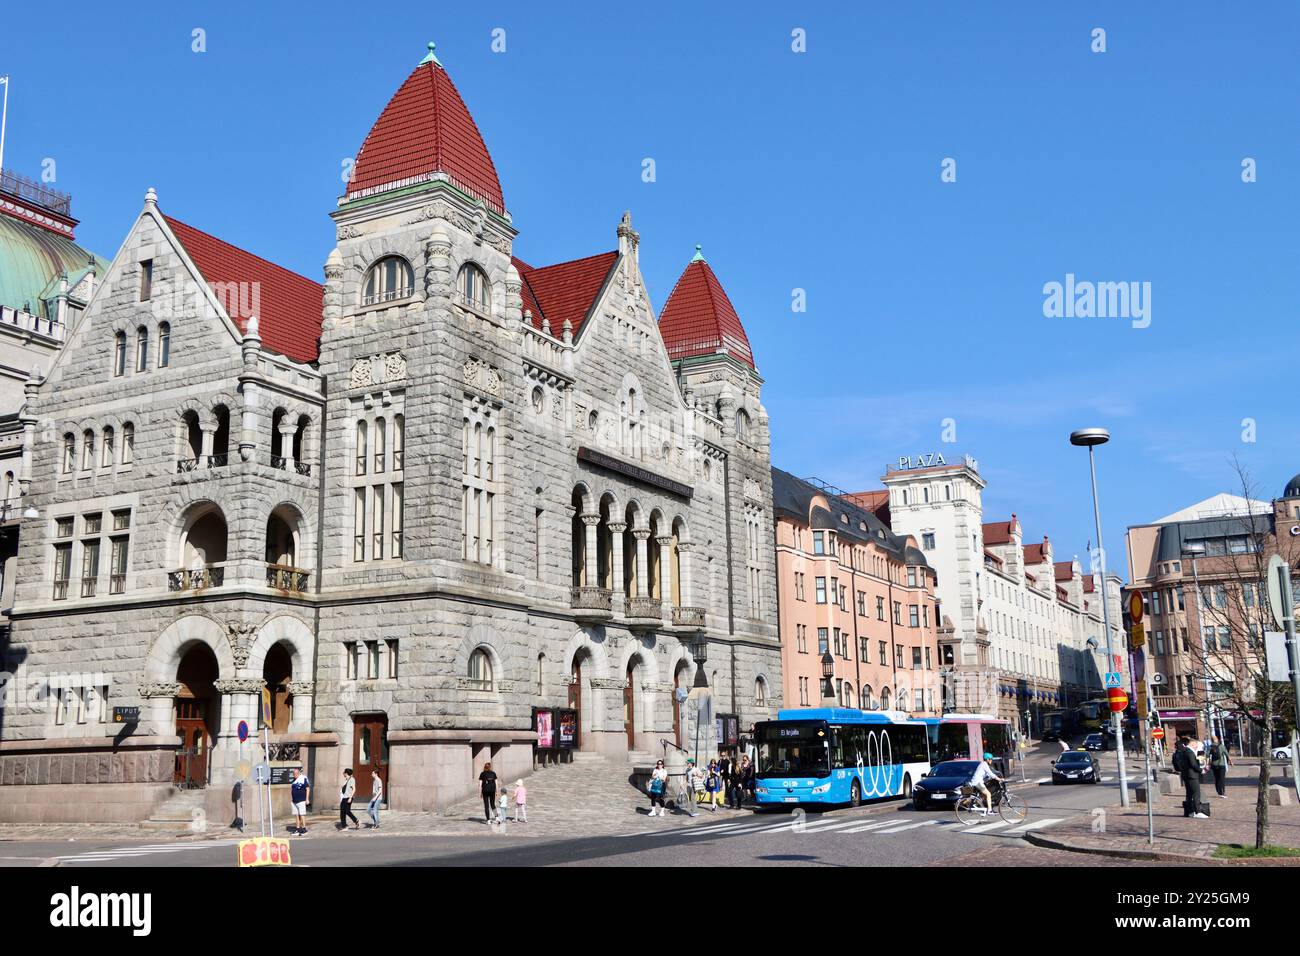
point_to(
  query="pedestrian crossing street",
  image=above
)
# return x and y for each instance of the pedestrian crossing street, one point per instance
(858, 824)
(129, 852)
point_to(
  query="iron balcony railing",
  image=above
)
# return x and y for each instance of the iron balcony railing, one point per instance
(196, 579)
(285, 577)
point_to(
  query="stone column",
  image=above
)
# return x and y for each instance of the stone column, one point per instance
(665, 543)
(287, 431)
(616, 556)
(591, 563)
(303, 692)
(684, 562)
(250, 349)
(208, 431)
(158, 698)
(642, 536)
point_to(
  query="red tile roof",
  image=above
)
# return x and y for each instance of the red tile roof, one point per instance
(875, 501)
(426, 129)
(1034, 554)
(565, 290)
(288, 306)
(699, 319)
(998, 532)
(1064, 570)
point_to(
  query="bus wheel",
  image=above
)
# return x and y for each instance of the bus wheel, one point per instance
(907, 786)
(855, 795)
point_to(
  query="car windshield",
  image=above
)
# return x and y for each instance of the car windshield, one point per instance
(1074, 756)
(954, 768)
(1093, 738)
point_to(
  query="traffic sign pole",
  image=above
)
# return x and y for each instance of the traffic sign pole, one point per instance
(1137, 639)
(1279, 594)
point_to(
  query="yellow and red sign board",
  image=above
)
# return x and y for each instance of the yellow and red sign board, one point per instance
(1118, 699)
(1137, 636)
(1135, 605)
(264, 851)
(1158, 733)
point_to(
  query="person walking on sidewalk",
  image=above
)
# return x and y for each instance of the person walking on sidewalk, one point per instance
(521, 802)
(376, 798)
(1188, 766)
(713, 786)
(503, 805)
(1220, 761)
(345, 801)
(487, 785)
(685, 799)
(658, 784)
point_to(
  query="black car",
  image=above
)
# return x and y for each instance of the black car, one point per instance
(1076, 766)
(1094, 742)
(942, 785)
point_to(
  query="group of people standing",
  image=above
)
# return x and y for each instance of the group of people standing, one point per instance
(1189, 766)
(724, 782)
(300, 796)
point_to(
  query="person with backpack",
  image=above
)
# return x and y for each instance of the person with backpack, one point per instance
(713, 785)
(1188, 766)
(1220, 761)
(658, 783)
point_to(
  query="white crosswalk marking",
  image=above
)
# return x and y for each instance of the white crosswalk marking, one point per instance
(869, 826)
(1035, 825)
(983, 828)
(130, 852)
(910, 826)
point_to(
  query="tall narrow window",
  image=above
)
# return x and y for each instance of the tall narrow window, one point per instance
(146, 280)
(119, 354)
(361, 448)
(379, 446)
(128, 443)
(359, 525)
(62, 569)
(399, 442)
(141, 349)
(377, 520)
(87, 450)
(479, 488)
(472, 287)
(117, 566)
(69, 453)
(397, 520)
(107, 451)
(89, 566)
(164, 344)
(388, 279)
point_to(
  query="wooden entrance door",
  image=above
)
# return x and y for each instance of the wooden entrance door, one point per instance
(629, 707)
(192, 727)
(369, 752)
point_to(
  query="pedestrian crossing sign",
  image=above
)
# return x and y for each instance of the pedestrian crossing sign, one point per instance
(1114, 679)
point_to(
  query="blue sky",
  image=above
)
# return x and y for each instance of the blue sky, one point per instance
(816, 170)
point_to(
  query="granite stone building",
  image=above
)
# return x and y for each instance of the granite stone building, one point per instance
(415, 502)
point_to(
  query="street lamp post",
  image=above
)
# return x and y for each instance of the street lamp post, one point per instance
(1193, 550)
(700, 691)
(828, 676)
(1090, 438)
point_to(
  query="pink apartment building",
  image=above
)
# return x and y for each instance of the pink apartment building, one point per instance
(848, 586)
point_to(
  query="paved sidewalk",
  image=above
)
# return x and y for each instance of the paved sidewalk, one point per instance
(1180, 838)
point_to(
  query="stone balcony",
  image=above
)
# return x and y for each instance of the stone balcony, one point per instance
(1177, 702)
(196, 579)
(643, 613)
(286, 578)
(688, 618)
(592, 605)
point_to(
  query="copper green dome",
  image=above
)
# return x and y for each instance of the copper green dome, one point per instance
(31, 260)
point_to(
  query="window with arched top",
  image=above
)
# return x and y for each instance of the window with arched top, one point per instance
(480, 670)
(399, 442)
(119, 354)
(760, 692)
(141, 349)
(164, 344)
(388, 279)
(128, 443)
(69, 453)
(108, 448)
(742, 423)
(473, 289)
(87, 450)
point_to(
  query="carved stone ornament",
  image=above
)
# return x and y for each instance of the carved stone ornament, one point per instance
(240, 634)
(752, 490)
(239, 685)
(608, 683)
(479, 375)
(155, 688)
(378, 370)
(302, 688)
(349, 232)
(475, 226)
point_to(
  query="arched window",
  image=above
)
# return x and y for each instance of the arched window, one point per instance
(11, 486)
(399, 442)
(164, 344)
(388, 279)
(108, 450)
(472, 288)
(742, 423)
(87, 450)
(868, 702)
(361, 448)
(128, 443)
(379, 446)
(119, 354)
(141, 349)
(760, 693)
(480, 670)
(69, 453)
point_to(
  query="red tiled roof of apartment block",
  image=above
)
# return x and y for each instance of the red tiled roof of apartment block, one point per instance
(565, 290)
(1064, 570)
(1088, 585)
(1034, 553)
(998, 532)
(875, 501)
(699, 319)
(288, 306)
(426, 129)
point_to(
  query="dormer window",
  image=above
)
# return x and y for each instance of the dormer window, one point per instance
(472, 288)
(388, 279)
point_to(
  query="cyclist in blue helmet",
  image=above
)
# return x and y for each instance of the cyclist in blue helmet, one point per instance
(979, 780)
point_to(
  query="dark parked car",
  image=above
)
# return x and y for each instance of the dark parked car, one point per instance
(1094, 742)
(942, 785)
(1076, 766)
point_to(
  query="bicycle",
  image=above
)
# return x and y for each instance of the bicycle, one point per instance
(970, 807)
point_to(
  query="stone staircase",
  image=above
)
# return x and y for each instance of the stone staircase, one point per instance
(176, 814)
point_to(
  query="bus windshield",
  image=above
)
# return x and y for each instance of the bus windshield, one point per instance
(786, 750)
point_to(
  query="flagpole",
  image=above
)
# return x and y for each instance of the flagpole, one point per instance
(4, 116)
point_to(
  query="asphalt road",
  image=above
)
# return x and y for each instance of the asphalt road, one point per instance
(888, 834)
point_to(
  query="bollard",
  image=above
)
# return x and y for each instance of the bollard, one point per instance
(1279, 797)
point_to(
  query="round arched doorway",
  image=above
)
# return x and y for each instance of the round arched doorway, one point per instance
(196, 715)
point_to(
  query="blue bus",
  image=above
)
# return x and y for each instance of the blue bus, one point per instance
(838, 755)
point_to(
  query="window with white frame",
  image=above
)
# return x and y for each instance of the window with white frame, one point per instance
(480, 670)
(388, 279)
(480, 483)
(473, 289)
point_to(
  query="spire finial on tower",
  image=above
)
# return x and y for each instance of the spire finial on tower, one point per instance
(699, 255)
(430, 57)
